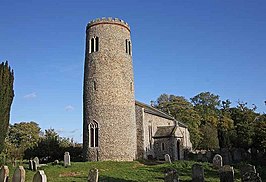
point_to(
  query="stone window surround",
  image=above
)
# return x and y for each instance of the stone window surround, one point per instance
(93, 126)
(94, 44)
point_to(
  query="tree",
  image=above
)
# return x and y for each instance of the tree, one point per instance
(6, 98)
(260, 133)
(207, 105)
(225, 125)
(244, 122)
(22, 136)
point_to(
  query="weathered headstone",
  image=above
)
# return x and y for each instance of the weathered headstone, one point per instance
(93, 175)
(248, 173)
(19, 175)
(67, 159)
(251, 177)
(226, 174)
(171, 176)
(167, 158)
(197, 173)
(40, 176)
(56, 162)
(217, 161)
(247, 168)
(34, 166)
(30, 165)
(4, 174)
(36, 159)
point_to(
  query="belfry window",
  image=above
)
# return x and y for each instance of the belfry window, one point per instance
(93, 134)
(128, 47)
(94, 44)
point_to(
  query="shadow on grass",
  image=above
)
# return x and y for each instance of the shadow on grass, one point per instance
(151, 162)
(112, 179)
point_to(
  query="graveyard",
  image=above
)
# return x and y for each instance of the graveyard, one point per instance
(154, 171)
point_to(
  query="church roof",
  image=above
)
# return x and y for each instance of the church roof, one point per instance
(156, 112)
(164, 131)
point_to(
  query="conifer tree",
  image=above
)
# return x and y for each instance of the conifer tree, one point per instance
(6, 98)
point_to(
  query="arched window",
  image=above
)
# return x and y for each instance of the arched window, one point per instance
(128, 47)
(93, 134)
(94, 44)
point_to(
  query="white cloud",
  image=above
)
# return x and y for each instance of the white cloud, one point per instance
(69, 108)
(30, 96)
(74, 131)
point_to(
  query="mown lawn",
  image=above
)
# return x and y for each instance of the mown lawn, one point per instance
(122, 171)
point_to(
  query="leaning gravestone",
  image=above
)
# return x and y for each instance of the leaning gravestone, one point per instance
(197, 173)
(19, 175)
(167, 158)
(171, 176)
(40, 176)
(34, 166)
(4, 173)
(226, 174)
(30, 165)
(67, 159)
(36, 159)
(93, 175)
(217, 161)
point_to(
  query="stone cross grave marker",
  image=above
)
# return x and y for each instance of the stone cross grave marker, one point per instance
(67, 159)
(167, 158)
(4, 174)
(36, 159)
(34, 166)
(19, 174)
(217, 161)
(93, 175)
(171, 176)
(197, 173)
(40, 176)
(226, 174)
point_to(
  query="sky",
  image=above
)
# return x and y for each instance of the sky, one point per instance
(180, 47)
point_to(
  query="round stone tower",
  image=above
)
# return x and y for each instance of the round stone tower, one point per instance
(109, 126)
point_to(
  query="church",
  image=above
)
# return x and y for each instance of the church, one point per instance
(115, 125)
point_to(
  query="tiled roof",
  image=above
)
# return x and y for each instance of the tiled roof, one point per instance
(164, 131)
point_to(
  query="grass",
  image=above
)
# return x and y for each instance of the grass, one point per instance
(142, 171)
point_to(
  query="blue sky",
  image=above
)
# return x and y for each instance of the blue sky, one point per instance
(179, 47)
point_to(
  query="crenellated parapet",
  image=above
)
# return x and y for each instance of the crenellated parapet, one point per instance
(108, 20)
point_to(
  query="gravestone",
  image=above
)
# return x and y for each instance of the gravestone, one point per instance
(30, 165)
(217, 161)
(34, 166)
(19, 175)
(197, 173)
(251, 177)
(249, 174)
(67, 159)
(167, 158)
(247, 168)
(93, 175)
(56, 162)
(4, 174)
(171, 176)
(40, 176)
(226, 174)
(36, 159)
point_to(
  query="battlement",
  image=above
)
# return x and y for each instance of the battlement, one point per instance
(108, 20)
